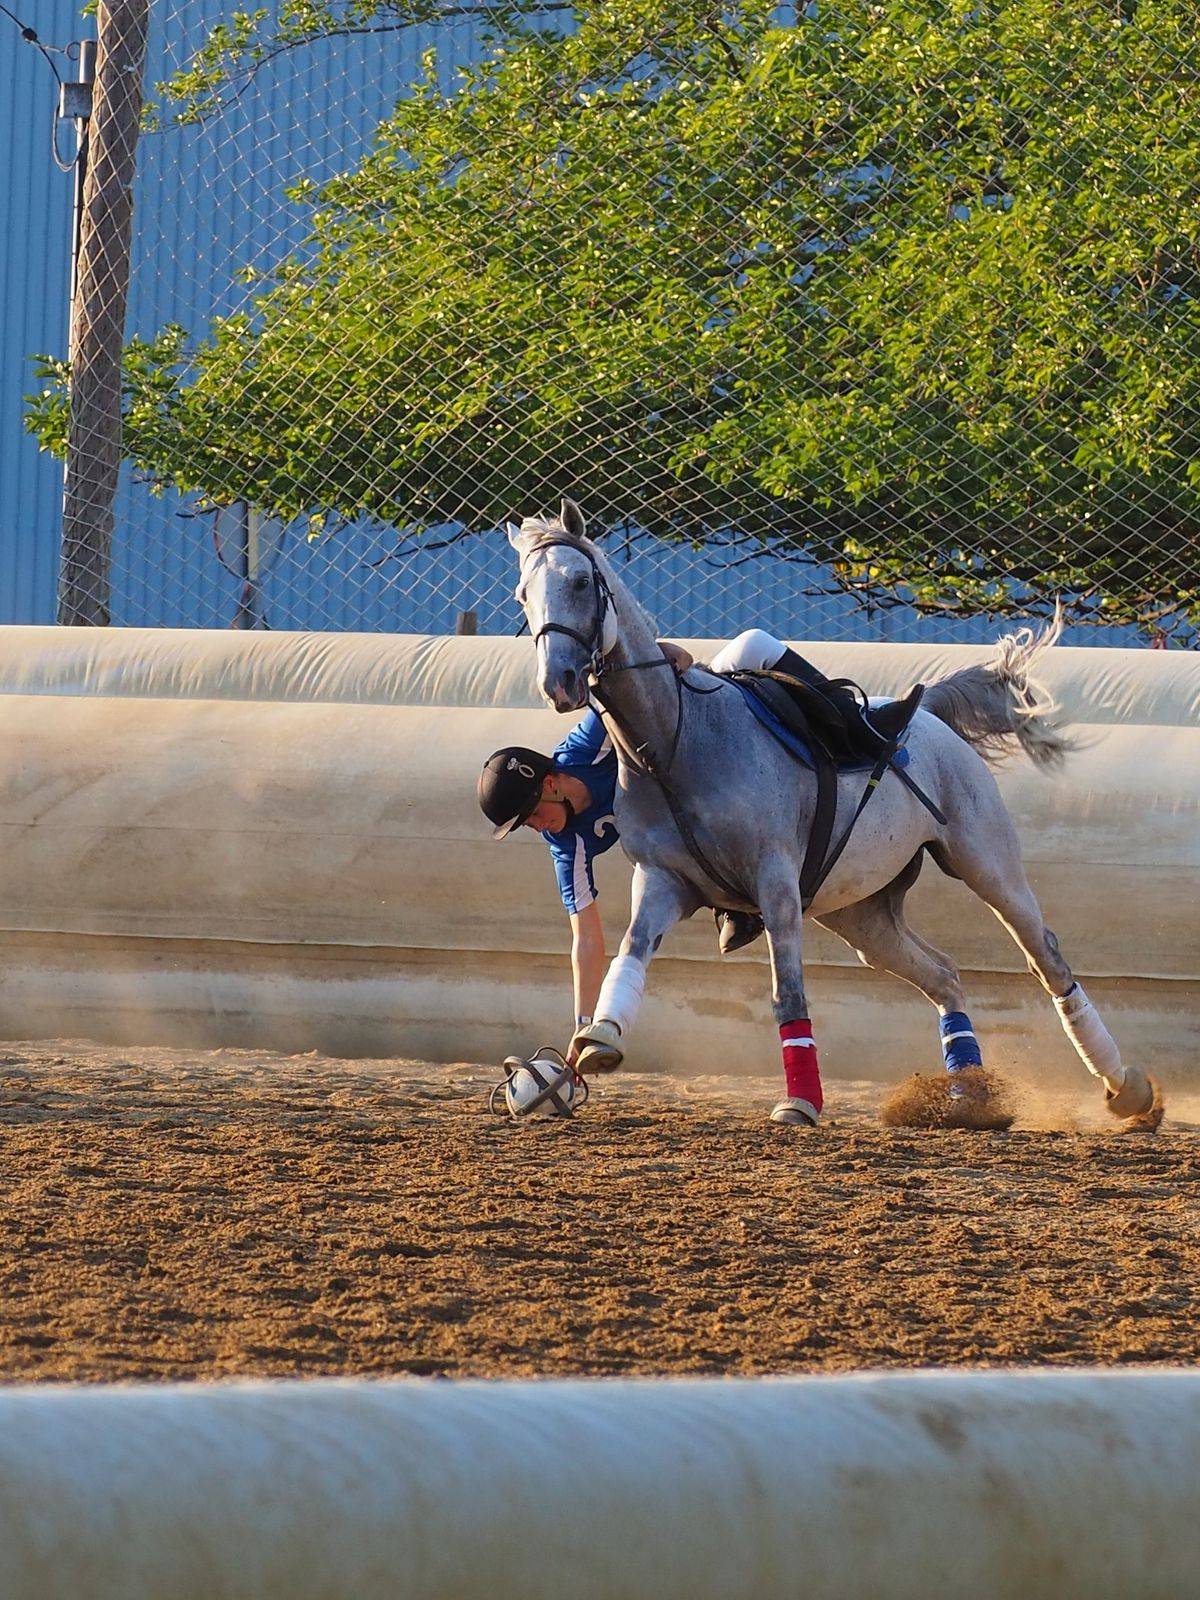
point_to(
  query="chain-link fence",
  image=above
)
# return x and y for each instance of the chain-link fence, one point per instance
(849, 319)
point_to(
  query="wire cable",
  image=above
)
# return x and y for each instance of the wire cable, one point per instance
(30, 37)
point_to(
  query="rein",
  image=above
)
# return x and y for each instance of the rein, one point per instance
(646, 765)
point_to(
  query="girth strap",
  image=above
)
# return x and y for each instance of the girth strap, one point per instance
(815, 867)
(819, 860)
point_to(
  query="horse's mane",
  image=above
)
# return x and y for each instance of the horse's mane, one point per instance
(542, 526)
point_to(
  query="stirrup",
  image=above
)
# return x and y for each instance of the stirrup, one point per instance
(737, 929)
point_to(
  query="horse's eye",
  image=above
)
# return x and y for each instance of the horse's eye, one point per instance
(580, 583)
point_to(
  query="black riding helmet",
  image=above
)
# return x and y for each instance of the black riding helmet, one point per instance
(510, 787)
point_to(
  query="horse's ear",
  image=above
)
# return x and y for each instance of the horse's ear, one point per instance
(572, 519)
(513, 532)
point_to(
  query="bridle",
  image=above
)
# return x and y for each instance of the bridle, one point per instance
(640, 756)
(600, 668)
(603, 603)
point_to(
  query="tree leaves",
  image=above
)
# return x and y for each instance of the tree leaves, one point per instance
(908, 288)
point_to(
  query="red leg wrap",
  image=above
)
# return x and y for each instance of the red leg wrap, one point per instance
(800, 1069)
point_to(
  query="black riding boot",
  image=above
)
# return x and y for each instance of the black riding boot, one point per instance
(889, 721)
(872, 731)
(841, 727)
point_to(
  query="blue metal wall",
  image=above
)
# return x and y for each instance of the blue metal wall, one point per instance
(211, 202)
(208, 201)
(35, 247)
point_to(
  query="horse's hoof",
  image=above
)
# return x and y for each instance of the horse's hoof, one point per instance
(1145, 1120)
(797, 1113)
(1134, 1098)
(977, 1101)
(597, 1048)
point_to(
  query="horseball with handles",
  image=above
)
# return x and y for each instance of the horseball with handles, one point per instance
(544, 1085)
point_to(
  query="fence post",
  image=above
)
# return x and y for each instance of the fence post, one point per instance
(98, 315)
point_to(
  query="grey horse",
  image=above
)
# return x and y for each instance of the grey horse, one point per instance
(714, 811)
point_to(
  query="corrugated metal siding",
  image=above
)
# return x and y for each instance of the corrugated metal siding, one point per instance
(211, 202)
(35, 227)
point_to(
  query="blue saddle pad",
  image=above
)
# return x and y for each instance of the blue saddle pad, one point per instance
(795, 744)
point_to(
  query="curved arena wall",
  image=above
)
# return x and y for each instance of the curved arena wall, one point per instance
(272, 839)
(993, 1485)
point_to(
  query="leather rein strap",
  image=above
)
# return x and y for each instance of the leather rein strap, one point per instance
(643, 759)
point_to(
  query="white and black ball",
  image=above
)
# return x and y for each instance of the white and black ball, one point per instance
(540, 1087)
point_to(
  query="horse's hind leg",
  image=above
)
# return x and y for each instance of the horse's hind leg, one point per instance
(988, 860)
(877, 931)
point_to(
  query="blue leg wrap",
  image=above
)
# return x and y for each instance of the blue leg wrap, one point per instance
(959, 1044)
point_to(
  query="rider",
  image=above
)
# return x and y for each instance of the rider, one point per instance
(567, 797)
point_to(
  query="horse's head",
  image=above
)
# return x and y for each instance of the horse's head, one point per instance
(567, 603)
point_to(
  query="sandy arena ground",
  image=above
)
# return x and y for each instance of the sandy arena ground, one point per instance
(172, 1214)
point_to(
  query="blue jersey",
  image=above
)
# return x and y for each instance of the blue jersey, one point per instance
(587, 754)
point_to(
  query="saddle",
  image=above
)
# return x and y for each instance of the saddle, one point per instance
(833, 716)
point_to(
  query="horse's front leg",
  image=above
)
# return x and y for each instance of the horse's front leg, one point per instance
(779, 902)
(659, 901)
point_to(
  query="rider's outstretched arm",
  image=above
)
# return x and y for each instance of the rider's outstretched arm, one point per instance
(588, 958)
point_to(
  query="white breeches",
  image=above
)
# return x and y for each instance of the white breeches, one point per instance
(752, 651)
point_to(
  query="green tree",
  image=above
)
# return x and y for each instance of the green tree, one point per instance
(909, 288)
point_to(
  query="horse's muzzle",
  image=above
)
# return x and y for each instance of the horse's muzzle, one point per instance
(565, 689)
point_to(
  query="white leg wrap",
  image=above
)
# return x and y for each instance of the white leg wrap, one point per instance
(621, 993)
(1096, 1047)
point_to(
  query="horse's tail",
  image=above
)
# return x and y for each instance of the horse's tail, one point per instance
(999, 707)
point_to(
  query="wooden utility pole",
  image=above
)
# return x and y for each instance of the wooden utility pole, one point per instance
(98, 314)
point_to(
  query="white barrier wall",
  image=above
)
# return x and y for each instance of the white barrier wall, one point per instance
(987, 1485)
(273, 839)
